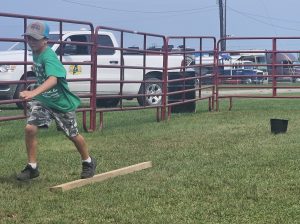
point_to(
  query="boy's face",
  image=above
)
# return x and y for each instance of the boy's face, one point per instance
(37, 46)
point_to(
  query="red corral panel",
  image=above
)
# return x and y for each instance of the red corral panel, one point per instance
(258, 67)
(113, 69)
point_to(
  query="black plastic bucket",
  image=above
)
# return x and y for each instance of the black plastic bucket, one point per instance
(278, 126)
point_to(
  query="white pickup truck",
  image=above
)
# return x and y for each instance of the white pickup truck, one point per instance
(74, 53)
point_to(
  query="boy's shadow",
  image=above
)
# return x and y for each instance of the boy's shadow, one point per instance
(12, 180)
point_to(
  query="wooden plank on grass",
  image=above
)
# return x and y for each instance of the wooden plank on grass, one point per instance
(101, 177)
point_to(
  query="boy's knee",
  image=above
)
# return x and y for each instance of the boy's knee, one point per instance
(31, 129)
(74, 138)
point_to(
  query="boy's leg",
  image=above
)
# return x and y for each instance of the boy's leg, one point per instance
(81, 146)
(68, 124)
(31, 142)
(88, 163)
(38, 117)
(30, 171)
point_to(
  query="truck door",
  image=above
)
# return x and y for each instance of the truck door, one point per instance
(76, 53)
(107, 58)
(73, 54)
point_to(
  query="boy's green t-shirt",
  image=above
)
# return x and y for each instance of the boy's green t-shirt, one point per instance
(59, 97)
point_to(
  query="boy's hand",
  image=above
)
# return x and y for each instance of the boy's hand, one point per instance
(27, 95)
(48, 84)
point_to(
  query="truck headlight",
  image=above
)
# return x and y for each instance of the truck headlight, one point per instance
(7, 68)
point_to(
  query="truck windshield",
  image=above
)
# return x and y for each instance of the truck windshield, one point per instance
(21, 46)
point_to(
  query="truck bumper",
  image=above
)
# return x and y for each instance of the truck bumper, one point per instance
(7, 91)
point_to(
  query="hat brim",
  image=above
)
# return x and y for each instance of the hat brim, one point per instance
(34, 35)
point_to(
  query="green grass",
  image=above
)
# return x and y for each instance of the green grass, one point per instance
(208, 167)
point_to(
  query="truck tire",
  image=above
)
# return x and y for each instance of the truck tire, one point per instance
(20, 88)
(112, 102)
(152, 86)
(248, 81)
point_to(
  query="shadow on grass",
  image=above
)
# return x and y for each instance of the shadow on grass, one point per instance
(12, 180)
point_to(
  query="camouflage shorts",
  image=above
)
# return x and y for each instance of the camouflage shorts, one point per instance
(42, 116)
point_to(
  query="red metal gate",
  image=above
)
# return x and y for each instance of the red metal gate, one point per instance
(274, 72)
(167, 74)
(192, 88)
(130, 71)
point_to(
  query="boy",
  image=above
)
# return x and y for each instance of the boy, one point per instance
(52, 100)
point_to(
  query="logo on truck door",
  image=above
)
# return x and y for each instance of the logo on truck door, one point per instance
(75, 69)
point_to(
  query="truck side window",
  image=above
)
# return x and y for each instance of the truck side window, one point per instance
(105, 40)
(286, 62)
(80, 49)
(69, 49)
(75, 49)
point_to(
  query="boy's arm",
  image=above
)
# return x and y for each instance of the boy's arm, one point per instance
(48, 84)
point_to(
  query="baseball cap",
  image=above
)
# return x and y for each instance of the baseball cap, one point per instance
(38, 30)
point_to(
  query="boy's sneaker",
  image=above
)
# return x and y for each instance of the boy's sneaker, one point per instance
(28, 173)
(88, 169)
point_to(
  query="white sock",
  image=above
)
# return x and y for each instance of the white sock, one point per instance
(87, 160)
(33, 165)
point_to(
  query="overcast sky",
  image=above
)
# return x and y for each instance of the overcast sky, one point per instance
(169, 17)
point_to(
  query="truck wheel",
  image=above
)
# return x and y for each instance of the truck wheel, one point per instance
(20, 88)
(248, 81)
(152, 86)
(112, 102)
